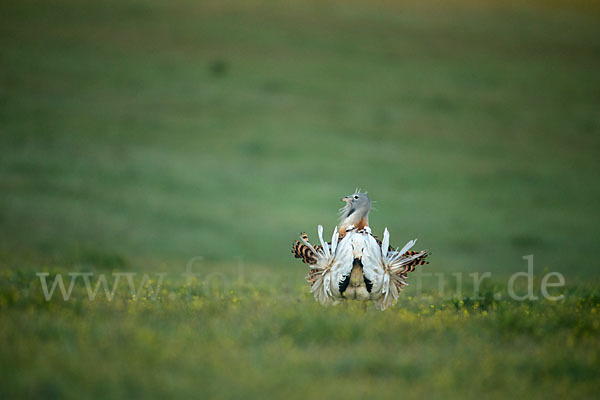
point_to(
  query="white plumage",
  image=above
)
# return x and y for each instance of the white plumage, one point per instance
(381, 267)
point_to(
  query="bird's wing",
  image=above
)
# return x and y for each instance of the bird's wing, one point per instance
(387, 269)
(341, 266)
(304, 250)
(333, 264)
(373, 267)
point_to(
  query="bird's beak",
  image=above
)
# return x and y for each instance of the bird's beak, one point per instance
(346, 198)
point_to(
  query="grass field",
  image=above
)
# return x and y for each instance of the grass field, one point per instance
(137, 135)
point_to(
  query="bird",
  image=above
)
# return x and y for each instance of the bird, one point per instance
(355, 264)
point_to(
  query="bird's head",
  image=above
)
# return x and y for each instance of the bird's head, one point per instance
(357, 204)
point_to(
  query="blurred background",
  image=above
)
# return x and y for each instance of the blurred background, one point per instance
(137, 134)
(148, 130)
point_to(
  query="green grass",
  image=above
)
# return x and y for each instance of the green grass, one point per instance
(137, 135)
(252, 338)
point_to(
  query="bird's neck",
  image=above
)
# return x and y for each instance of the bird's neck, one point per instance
(357, 220)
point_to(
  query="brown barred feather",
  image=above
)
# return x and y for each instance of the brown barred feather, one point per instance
(300, 250)
(410, 267)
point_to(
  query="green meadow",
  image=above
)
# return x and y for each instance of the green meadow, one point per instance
(159, 137)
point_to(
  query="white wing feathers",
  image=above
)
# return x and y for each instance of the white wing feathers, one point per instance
(333, 265)
(391, 264)
(383, 268)
(373, 264)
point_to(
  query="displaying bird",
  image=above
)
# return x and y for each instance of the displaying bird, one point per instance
(356, 264)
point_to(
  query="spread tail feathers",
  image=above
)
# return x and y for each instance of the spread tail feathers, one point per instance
(304, 251)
